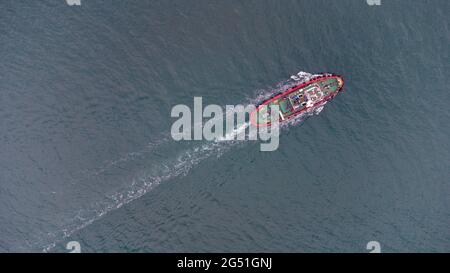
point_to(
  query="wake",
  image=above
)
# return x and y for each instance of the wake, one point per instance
(176, 165)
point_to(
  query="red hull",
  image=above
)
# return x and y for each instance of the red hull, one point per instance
(327, 98)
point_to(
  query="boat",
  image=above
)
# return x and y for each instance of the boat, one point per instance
(299, 99)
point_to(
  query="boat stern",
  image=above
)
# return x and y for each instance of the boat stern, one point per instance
(261, 116)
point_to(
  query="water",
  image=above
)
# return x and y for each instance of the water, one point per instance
(86, 154)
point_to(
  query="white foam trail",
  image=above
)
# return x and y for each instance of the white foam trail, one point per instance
(140, 185)
(234, 133)
(176, 167)
(151, 146)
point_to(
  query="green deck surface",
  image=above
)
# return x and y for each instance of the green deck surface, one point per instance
(291, 103)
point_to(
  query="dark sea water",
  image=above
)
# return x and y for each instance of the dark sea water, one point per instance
(86, 153)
